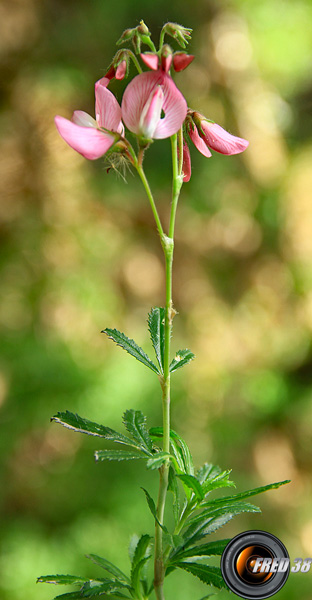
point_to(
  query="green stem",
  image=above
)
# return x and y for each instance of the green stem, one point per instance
(135, 61)
(167, 243)
(161, 39)
(149, 194)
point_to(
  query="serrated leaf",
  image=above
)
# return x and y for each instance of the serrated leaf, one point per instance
(182, 358)
(108, 587)
(212, 478)
(137, 575)
(235, 508)
(131, 347)
(157, 460)
(132, 546)
(118, 455)
(207, 522)
(156, 325)
(152, 507)
(193, 484)
(244, 495)
(141, 555)
(210, 549)
(108, 566)
(174, 488)
(207, 574)
(135, 423)
(180, 449)
(62, 579)
(77, 423)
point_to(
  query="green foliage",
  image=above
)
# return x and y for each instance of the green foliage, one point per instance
(196, 515)
(135, 423)
(179, 447)
(182, 358)
(156, 325)
(77, 423)
(61, 579)
(142, 555)
(152, 507)
(207, 574)
(190, 482)
(158, 460)
(110, 567)
(117, 455)
(131, 347)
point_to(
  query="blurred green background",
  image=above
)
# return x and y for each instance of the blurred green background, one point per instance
(79, 252)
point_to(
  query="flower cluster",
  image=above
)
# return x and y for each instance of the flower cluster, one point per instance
(152, 107)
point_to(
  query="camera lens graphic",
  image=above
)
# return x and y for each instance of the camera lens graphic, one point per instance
(247, 552)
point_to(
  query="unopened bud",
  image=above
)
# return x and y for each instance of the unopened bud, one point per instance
(181, 34)
(143, 29)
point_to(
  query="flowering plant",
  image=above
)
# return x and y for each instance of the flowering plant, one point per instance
(153, 108)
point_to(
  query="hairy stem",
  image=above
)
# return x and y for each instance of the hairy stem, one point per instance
(167, 243)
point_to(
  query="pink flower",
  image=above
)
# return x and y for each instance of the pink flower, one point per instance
(206, 134)
(93, 137)
(146, 98)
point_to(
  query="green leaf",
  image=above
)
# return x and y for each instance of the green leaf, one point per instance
(157, 460)
(207, 574)
(174, 488)
(244, 495)
(108, 566)
(212, 478)
(208, 522)
(107, 587)
(193, 484)
(141, 556)
(62, 579)
(138, 576)
(118, 455)
(131, 347)
(152, 507)
(180, 449)
(182, 358)
(77, 423)
(135, 423)
(156, 325)
(210, 549)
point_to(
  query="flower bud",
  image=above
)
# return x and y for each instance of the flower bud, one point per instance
(138, 35)
(143, 29)
(181, 34)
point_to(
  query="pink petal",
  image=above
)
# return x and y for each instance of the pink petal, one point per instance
(182, 60)
(104, 81)
(121, 70)
(166, 62)
(197, 140)
(186, 165)
(107, 109)
(83, 119)
(221, 140)
(137, 94)
(151, 61)
(151, 113)
(88, 141)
